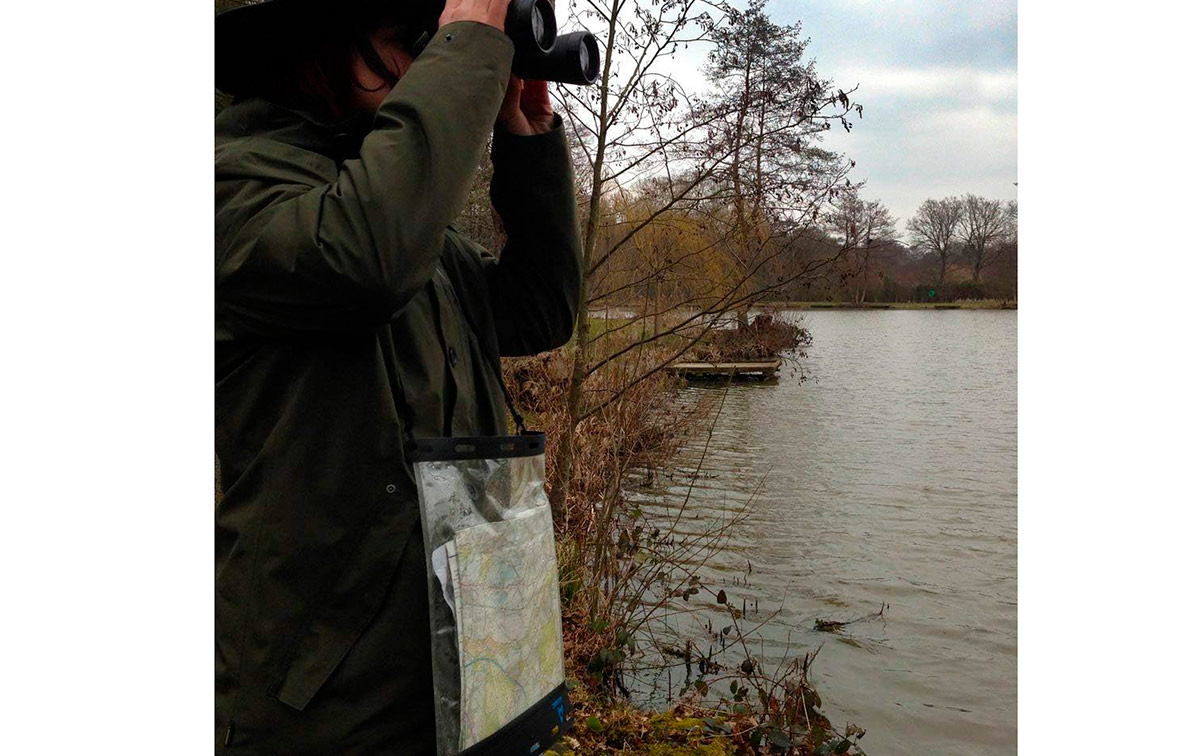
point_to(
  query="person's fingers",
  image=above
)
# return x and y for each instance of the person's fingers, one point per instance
(498, 10)
(535, 97)
(511, 116)
(511, 104)
(489, 12)
(448, 12)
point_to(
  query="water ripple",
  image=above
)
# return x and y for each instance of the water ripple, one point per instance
(888, 477)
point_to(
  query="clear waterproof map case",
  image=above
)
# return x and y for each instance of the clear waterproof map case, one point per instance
(494, 609)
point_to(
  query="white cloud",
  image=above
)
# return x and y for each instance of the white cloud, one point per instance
(975, 124)
(978, 14)
(962, 84)
(963, 141)
(934, 151)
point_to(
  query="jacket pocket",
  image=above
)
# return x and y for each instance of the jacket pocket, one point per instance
(333, 628)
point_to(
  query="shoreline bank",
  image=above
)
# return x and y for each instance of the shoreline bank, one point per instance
(970, 304)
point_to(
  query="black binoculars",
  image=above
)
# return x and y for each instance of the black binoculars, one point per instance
(542, 53)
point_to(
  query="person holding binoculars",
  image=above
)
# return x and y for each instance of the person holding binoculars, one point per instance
(350, 317)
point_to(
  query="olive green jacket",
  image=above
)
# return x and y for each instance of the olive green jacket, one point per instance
(344, 306)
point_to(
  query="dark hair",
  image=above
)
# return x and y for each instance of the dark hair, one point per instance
(314, 68)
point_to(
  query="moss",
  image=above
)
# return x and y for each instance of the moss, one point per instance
(716, 748)
(628, 730)
(667, 722)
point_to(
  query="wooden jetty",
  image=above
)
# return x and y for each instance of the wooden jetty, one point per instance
(733, 370)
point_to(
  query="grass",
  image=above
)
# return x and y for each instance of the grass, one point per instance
(600, 326)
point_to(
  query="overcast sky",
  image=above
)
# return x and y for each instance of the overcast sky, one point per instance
(938, 82)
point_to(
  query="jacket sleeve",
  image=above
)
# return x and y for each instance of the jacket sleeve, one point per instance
(535, 286)
(351, 250)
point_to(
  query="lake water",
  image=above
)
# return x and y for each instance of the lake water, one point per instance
(889, 476)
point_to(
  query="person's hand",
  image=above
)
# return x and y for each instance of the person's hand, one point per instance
(526, 108)
(490, 12)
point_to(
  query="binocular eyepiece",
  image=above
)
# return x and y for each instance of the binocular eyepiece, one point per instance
(542, 53)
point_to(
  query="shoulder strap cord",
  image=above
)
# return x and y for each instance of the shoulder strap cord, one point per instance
(408, 420)
(496, 368)
(495, 365)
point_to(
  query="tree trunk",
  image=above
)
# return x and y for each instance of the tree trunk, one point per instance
(581, 351)
(656, 299)
(739, 204)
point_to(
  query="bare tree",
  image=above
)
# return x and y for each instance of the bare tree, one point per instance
(935, 228)
(1006, 254)
(985, 223)
(769, 94)
(638, 127)
(863, 226)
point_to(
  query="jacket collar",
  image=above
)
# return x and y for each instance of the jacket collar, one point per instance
(345, 135)
(341, 138)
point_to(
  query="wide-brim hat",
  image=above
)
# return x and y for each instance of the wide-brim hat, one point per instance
(253, 37)
(252, 40)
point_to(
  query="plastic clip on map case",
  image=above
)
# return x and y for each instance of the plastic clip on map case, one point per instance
(495, 619)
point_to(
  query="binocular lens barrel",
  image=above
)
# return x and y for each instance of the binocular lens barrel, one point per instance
(531, 25)
(589, 55)
(575, 59)
(540, 53)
